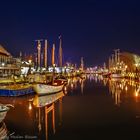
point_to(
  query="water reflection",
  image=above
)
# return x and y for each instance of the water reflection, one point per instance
(30, 115)
(72, 82)
(41, 101)
(76, 82)
(3, 131)
(41, 116)
(48, 104)
(47, 111)
(82, 81)
(121, 88)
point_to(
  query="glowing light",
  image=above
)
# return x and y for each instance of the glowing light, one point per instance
(30, 106)
(120, 85)
(3, 64)
(126, 88)
(65, 88)
(30, 61)
(72, 85)
(136, 94)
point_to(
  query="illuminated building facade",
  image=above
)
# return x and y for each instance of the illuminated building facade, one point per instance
(8, 64)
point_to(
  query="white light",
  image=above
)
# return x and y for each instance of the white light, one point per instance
(3, 64)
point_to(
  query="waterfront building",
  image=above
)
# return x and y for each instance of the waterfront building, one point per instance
(8, 65)
(126, 62)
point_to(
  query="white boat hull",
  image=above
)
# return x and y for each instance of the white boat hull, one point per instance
(3, 111)
(43, 89)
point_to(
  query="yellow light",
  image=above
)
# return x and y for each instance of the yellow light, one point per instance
(120, 85)
(136, 64)
(30, 61)
(30, 106)
(136, 94)
(65, 88)
(126, 88)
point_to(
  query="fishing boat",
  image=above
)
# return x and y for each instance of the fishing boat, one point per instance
(55, 85)
(16, 90)
(43, 89)
(3, 111)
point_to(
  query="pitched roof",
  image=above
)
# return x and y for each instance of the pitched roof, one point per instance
(3, 51)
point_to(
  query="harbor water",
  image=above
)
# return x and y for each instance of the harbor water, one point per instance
(90, 108)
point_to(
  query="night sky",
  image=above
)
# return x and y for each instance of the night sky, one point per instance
(91, 29)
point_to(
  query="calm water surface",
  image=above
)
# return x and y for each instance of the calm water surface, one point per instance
(92, 108)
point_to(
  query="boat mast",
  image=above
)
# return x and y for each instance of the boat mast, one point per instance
(60, 52)
(46, 54)
(53, 55)
(38, 53)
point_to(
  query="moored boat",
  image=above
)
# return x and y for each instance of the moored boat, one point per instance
(3, 111)
(43, 89)
(16, 90)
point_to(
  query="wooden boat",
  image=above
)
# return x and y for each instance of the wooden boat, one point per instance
(43, 89)
(3, 111)
(16, 90)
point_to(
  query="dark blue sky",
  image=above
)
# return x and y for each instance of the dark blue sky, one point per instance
(90, 28)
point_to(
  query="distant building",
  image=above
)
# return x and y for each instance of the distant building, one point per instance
(129, 62)
(8, 64)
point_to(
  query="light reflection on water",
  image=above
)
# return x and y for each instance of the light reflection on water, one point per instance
(121, 89)
(42, 117)
(30, 115)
